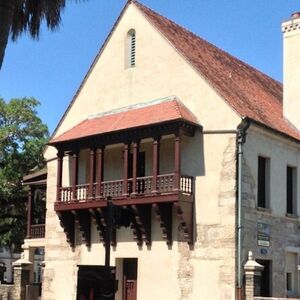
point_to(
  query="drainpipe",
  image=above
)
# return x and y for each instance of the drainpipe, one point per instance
(241, 139)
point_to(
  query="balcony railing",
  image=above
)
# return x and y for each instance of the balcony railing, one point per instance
(114, 188)
(37, 231)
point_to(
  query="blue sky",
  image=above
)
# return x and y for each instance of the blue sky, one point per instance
(52, 68)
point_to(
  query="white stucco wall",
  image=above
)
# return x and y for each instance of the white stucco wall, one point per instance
(206, 270)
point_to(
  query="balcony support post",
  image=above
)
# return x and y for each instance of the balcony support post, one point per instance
(92, 173)
(155, 163)
(177, 162)
(60, 158)
(135, 162)
(99, 169)
(29, 212)
(125, 176)
(74, 174)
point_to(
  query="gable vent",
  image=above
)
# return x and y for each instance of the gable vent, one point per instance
(131, 48)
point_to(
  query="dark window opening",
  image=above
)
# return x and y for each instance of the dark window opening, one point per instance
(290, 190)
(289, 281)
(262, 183)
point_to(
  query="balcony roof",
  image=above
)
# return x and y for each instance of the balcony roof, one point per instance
(135, 116)
(38, 177)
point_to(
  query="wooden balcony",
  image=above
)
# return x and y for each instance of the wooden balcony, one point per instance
(37, 231)
(86, 196)
(36, 205)
(139, 197)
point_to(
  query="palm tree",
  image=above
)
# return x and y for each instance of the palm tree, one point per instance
(19, 16)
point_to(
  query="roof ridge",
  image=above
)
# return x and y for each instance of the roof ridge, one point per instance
(132, 106)
(202, 39)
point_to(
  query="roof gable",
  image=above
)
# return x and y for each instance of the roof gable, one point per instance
(248, 91)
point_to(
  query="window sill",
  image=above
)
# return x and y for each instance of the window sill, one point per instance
(264, 209)
(292, 216)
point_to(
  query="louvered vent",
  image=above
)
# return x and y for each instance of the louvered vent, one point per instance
(132, 50)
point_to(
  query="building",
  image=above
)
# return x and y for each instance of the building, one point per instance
(200, 153)
(7, 258)
(34, 243)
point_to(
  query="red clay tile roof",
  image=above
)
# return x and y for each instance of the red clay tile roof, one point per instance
(248, 91)
(129, 118)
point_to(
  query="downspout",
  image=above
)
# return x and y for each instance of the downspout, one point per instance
(241, 139)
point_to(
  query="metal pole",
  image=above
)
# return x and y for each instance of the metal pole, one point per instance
(239, 227)
(109, 225)
(241, 139)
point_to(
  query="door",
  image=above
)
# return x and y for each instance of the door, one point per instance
(266, 278)
(130, 279)
(96, 283)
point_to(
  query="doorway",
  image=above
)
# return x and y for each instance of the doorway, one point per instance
(266, 278)
(96, 283)
(130, 279)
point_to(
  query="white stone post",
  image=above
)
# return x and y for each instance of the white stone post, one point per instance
(21, 278)
(28, 255)
(253, 277)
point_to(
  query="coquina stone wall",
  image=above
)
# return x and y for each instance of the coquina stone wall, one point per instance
(284, 229)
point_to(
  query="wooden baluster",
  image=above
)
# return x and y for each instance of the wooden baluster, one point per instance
(125, 174)
(155, 164)
(60, 157)
(75, 174)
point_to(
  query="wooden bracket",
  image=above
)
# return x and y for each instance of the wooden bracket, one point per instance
(184, 212)
(164, 216)
(99, 219)
(142, 223)
(83, 219)
(67, 222)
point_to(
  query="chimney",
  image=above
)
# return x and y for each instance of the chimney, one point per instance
(291, 69)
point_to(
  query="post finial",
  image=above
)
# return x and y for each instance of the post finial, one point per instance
(250, 255)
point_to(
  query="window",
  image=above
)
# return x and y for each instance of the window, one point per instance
(289, 286)
(131, 49)
(291, 192)
(291, 273)
(263, 182)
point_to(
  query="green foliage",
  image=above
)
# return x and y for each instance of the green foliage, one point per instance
(22, 139)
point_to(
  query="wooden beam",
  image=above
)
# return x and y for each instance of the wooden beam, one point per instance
(60, 158)
(74, 174)
(164, 215)
(155, 163)
(142, 223)
(177, 162)
(67, 222)
(185, 215)
(125, 171)
(92, 173)
(29, 213)
(135, 162)
(99, 219)
(99, 169)
(83, 219)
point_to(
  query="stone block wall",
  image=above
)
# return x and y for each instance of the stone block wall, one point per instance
(284, 230)
(5, 290)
